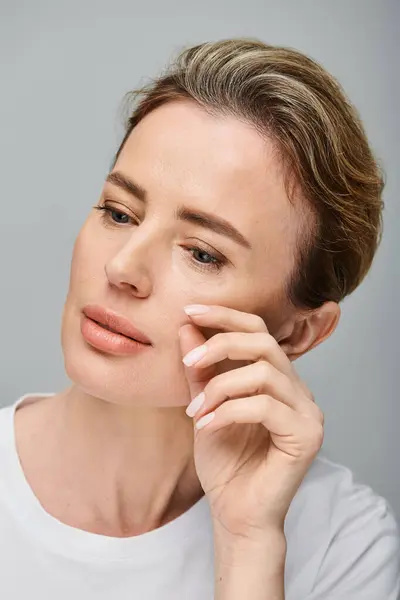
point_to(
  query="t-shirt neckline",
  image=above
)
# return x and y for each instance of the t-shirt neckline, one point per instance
(73, 542)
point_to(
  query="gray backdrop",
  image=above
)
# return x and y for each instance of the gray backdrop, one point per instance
(64, 69)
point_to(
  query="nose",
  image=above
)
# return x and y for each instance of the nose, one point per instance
(128, 269)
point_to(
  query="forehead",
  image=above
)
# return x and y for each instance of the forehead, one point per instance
(182, 155)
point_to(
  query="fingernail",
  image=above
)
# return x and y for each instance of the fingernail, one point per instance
(196, 309)
(205, 420)
(194, 355)
(195, 404)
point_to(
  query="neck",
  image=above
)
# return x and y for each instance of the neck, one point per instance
(130, 467)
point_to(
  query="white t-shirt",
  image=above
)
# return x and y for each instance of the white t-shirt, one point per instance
(342, 544)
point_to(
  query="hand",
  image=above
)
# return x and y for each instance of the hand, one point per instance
(258, 430)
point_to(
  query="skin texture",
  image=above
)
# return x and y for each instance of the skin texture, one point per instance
(116, 448)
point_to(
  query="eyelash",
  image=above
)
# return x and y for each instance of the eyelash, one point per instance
(216, 265)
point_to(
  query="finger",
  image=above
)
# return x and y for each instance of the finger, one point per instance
(258, 378)
(227, 319)
(293, 433)
(241, 346)
(189, 338)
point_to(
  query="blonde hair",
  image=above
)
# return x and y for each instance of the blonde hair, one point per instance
(292, 100)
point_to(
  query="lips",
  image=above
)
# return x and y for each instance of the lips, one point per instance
(115, 323)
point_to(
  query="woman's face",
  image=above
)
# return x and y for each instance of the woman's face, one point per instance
(146, 261)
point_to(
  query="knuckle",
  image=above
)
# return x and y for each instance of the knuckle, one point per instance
(320, 415)
(316, 437)
(221, 340)
(313, 412)
(266, 402)
(217, 338)
(258, 323)
(215, 386)
(287, 387)
(269, 341)
(264, 369)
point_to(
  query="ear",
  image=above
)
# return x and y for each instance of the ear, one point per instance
(310, 330)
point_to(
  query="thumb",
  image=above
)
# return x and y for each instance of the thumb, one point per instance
(190, 337)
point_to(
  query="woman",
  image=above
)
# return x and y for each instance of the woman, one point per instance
(243, 205)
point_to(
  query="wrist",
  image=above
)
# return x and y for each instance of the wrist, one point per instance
(235, 549)
(249, 567)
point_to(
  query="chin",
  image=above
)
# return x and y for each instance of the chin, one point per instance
(143, 379)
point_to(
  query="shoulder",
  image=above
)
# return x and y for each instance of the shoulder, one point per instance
(345, 534)
(342, 498)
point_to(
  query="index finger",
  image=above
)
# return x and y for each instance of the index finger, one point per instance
(232, 320)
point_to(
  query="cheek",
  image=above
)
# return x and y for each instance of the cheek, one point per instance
(87, 263)
(189, 286)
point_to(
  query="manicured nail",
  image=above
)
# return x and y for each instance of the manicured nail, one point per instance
(205, 420)
(196, 309)
(194, 355)
(195, 404)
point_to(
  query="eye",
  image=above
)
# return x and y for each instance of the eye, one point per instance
(203, 256)
(118, 217)
(111, 215)
(206, 261)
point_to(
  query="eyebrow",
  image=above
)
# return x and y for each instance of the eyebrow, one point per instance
(197, 217)
(120, 180)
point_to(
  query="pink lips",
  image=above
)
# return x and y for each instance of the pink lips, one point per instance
(110, 332)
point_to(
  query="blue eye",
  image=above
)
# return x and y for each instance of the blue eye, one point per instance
(212, 262)
(201, 252)
(119, 217)
(115, 216)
